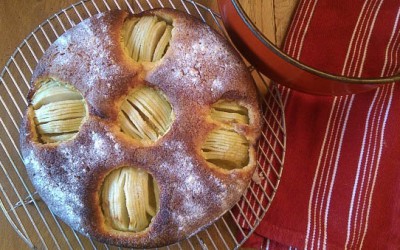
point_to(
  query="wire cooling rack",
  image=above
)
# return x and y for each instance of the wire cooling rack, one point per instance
(30, 217)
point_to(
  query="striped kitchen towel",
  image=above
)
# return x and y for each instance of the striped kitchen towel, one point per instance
(340, 187)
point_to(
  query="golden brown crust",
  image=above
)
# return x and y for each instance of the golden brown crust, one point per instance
(198, 69)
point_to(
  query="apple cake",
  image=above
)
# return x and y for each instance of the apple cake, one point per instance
(140, 129)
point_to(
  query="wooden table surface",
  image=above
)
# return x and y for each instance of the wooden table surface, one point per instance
(19, 18)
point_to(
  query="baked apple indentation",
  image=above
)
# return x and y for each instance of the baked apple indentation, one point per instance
(229, 112)
(146, 39)
(226, 149)
(129, 199)
(146, 115)
(59, 111)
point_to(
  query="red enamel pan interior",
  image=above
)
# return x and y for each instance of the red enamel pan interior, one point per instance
(280, 67)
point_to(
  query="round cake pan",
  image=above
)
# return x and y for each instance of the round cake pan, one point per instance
(280, 67)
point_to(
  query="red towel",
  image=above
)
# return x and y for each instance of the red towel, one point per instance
(340, 187)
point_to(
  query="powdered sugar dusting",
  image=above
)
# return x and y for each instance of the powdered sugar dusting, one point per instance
(99, 147)
(53, 193)
(76, 58)
(72, 204)
(216, 85)
(195, 191)
(196, 71)
(205, 65)
(31, 160)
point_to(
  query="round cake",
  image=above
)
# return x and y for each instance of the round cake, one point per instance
(140, 129)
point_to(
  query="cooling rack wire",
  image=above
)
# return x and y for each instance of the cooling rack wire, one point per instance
(31, 219)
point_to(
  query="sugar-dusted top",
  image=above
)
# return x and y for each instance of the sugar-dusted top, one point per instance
(198, 69)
